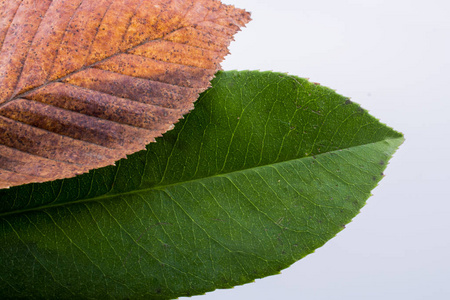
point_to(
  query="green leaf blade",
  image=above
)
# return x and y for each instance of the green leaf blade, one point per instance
(267, 168)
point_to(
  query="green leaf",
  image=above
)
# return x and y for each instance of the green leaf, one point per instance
(267, 168)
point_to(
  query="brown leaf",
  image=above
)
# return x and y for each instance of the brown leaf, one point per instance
(83, 83)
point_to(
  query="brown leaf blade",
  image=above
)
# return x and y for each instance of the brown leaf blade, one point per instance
(84, 83)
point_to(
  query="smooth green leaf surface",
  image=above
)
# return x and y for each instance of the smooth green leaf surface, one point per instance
(267, 168)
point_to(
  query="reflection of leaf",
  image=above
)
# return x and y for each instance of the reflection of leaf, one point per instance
(83, 83)
(267, 168)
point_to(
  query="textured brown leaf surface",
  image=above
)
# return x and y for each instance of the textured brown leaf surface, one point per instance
(84, 83)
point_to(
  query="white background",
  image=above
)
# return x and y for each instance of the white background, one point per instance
(392, 57)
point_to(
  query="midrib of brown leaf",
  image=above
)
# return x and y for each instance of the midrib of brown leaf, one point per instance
(24, 93)
(91, 116)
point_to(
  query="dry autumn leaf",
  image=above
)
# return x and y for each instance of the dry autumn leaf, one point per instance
(84, 83)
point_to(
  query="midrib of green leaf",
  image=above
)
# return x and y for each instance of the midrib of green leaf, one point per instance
(233, 95)
(395, 142)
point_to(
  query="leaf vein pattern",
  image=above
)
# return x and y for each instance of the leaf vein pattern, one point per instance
(193, 219)
(110, 94)
(303, 128)
(169, 194)
(260, 213)
(265, 126)
(312, 202)
(237, 125)
(36, 258)
(73, 243)
(322, 125)
(192, 46)
(223, 209)
(277, 196)
(68, 136)
(42, 156)
(60, 42)
(12, 171)
(160, 224)
(9, 26)
(130, 22)
(99, 229)
(29, 47)
(349, 117)
(286, 135)
(172, 151)
(359, 129)
(210, 237)
(9, 284)
(140, 246)
(97, 30)
(173, 63)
